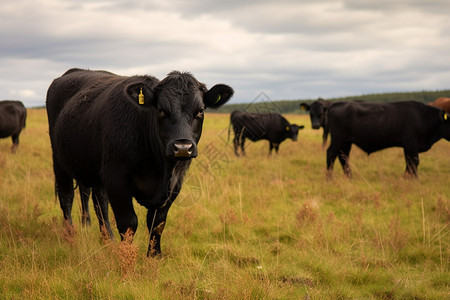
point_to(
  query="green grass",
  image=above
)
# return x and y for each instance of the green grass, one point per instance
(246, 228)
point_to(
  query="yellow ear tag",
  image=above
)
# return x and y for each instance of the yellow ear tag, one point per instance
(218, 99)
(288, 128)
(141, 97)
(445, 116)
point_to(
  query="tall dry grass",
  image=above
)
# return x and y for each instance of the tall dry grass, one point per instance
(253, 227)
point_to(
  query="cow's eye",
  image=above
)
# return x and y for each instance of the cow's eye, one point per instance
(200, 113)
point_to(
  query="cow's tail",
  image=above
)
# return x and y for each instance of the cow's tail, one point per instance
(326, 130)
(229, 129)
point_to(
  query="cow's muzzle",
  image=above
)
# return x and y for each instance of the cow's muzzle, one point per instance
(184, 149)
(315, 125)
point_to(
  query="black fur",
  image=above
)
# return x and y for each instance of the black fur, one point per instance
(13, 115)
(102, 137)
(272, 127)
(411, 125)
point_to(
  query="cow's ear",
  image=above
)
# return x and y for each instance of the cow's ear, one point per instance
(217, 95)
(301, 126)
(304, 106)
(140, 94)
(444, 116)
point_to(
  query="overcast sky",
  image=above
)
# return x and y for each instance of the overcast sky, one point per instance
(287, 49)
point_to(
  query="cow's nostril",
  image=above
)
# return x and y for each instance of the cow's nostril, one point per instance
(183, 149)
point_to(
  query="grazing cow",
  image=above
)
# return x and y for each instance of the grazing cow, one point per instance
(13, 115)
(127, 137)
(442, 103)
(269, 126)
(317, 113)
(411, 125)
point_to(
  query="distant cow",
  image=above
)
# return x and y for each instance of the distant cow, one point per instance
(411, 125)
(317, 113)
(442, 103)
(255, 127)
(13, 115)
(127, 137)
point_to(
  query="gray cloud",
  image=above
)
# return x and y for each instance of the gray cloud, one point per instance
(288, 49)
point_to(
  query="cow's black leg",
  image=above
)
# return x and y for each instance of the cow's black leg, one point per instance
(243, 145)
(332, 153)
(236, 143)
(270, 148)
(156, 220)
(343, 159)
(412, 162)
(64, 189)
(101, 209)
(15, 141)
(277, 146)
(122, 205)
(84, 195)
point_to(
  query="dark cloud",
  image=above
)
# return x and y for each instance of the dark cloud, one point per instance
(288, 49)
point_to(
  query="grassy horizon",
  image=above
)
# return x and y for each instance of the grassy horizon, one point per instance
(249, 227)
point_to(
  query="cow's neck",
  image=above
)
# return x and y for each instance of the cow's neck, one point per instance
(154, 190)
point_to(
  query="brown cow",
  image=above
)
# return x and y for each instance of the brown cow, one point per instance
(442, 103)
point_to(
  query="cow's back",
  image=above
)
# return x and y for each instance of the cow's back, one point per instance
(91, 119)
(248, 125)
(75, 86)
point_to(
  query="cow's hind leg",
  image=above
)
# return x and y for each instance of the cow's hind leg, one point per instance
(236, 143)
(64, 189)
(277, 147)
(15, 141)
(343, 159)
(101, 209)
(243, 145)
(412, 163)
(84, 196)
(332, 153)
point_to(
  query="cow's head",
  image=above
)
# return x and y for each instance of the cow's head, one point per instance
(292, 130)
(316, 112)
(180, 101)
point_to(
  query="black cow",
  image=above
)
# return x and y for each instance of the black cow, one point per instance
(13, 116)
(268, 126)
(127, 137)
(411, 125)
(317, 113)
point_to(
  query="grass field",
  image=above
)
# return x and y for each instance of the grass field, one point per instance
(257, 227)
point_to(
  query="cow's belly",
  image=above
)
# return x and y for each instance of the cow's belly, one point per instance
(84, 170)
(79, 159)
(6, 131)
(375, 144)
